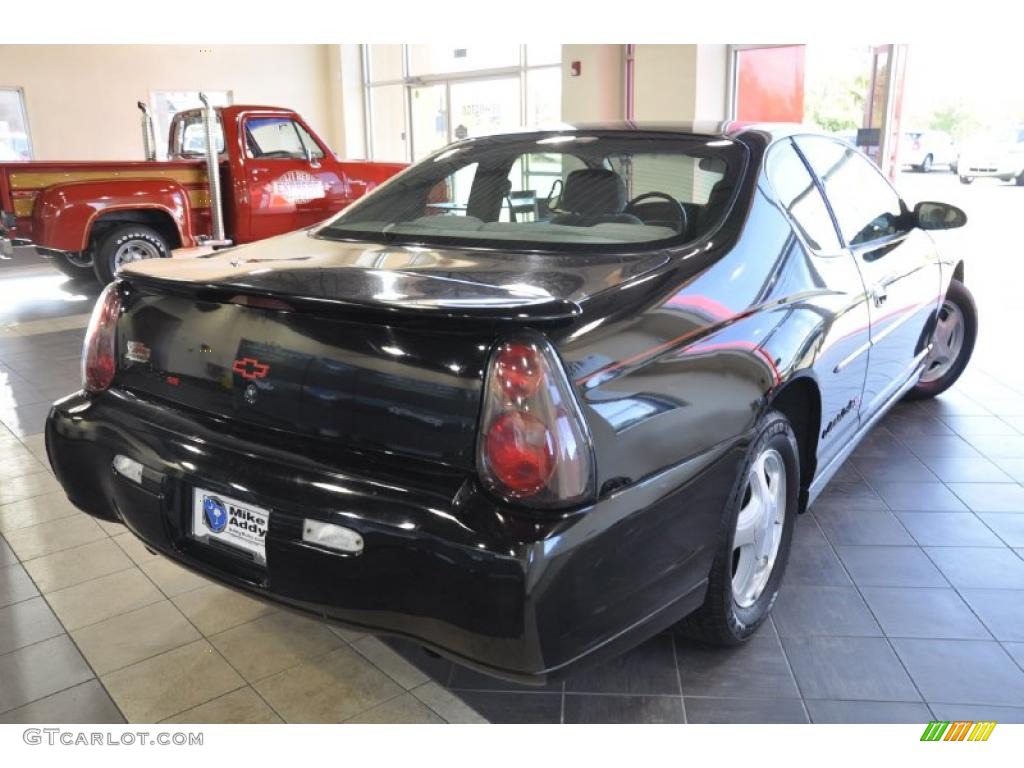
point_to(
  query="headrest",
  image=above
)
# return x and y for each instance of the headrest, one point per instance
(593, 192)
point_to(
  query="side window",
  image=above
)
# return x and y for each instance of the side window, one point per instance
(191, 139)
(799, 195)
(866, 207)
(310, 143)
(278, 138)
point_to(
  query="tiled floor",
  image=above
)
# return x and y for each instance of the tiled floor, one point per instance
(93, 628)
(904, 598)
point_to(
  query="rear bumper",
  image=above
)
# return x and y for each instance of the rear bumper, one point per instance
(978, 169)
(509, 596)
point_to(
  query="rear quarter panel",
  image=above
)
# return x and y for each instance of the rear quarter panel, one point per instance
(684, 367)
(64, 213)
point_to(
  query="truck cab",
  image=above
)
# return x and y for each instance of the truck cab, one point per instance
(276, 173)
(273, 175)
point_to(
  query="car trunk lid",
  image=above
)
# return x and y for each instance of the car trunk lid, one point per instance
(373, 348)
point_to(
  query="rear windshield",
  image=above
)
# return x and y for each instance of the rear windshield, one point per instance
(553, 192)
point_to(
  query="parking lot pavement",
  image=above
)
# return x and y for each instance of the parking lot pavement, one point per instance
(902, 602)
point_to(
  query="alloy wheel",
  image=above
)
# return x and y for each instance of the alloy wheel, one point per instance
(947, 341)
(759, 526)
(134, 250)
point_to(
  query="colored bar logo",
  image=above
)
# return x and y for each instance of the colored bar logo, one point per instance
(959, 730)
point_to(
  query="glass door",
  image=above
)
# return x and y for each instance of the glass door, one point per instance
(429, 118)
(481, 107)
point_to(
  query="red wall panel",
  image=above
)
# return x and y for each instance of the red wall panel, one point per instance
(770, 84)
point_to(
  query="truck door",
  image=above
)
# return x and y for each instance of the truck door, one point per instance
(292, 181)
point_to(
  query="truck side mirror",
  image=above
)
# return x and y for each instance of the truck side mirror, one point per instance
(930, 215)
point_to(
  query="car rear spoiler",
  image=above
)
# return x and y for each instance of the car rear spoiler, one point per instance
(547, 311)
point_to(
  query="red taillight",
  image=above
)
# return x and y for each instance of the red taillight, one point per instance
(533, 446)
(99, 353)
(521, 452)
(517, 370)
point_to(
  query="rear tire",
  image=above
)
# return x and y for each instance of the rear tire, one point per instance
(127, 244)
(735, 605)
(958, 326)
(81, 271)
(966, 180)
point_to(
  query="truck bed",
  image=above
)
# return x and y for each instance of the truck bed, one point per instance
(21, 182)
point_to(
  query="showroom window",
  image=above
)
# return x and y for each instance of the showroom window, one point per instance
(15, 142)
(166, 104)
(421, 97)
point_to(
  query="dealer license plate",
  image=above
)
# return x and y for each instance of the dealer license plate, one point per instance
(233, 523)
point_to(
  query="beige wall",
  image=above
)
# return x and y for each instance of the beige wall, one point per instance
(711, 101)
(81, 99)
(598, 93)
(680, 82)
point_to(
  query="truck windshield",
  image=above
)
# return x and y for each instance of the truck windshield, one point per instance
(553, 191)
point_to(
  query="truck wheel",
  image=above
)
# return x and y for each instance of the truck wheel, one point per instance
(125, 245)
(952, 343)
(77, 266)
(754, 542)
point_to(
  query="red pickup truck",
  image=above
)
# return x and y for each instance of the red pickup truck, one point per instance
(274, 175)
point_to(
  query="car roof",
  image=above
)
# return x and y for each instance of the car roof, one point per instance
(711, 129)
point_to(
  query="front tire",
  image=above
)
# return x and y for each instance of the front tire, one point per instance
(756, 535)
(952, 343)
(125, 245)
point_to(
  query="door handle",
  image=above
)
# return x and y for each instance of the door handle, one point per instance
(879, 295)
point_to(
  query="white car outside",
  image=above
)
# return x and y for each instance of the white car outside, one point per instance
(999, 156)
(925, 149)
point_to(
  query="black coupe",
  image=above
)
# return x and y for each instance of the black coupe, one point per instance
(533, 400)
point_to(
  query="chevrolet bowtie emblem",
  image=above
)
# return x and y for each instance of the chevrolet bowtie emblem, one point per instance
(250, 368)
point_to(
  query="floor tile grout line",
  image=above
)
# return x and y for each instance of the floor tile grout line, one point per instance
(931, 560)
(679, 675)
(789, 666)
(214, 649)
(856, 586)
(71, 639)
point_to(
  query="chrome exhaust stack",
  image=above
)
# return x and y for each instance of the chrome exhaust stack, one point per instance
(148, 132)
(218, 238)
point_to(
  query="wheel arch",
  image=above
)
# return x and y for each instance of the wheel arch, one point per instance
(157, 218)
(799, 400)
(65, 215)
(958, 272)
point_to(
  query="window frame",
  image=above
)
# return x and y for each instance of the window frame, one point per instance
(177, 139)
(409, 82)
(870, 245)
(739, 174)
(23, 106)
(296, 124)
(165, 140)
(797, 228)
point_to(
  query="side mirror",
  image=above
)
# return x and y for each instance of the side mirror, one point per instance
(930, 215)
